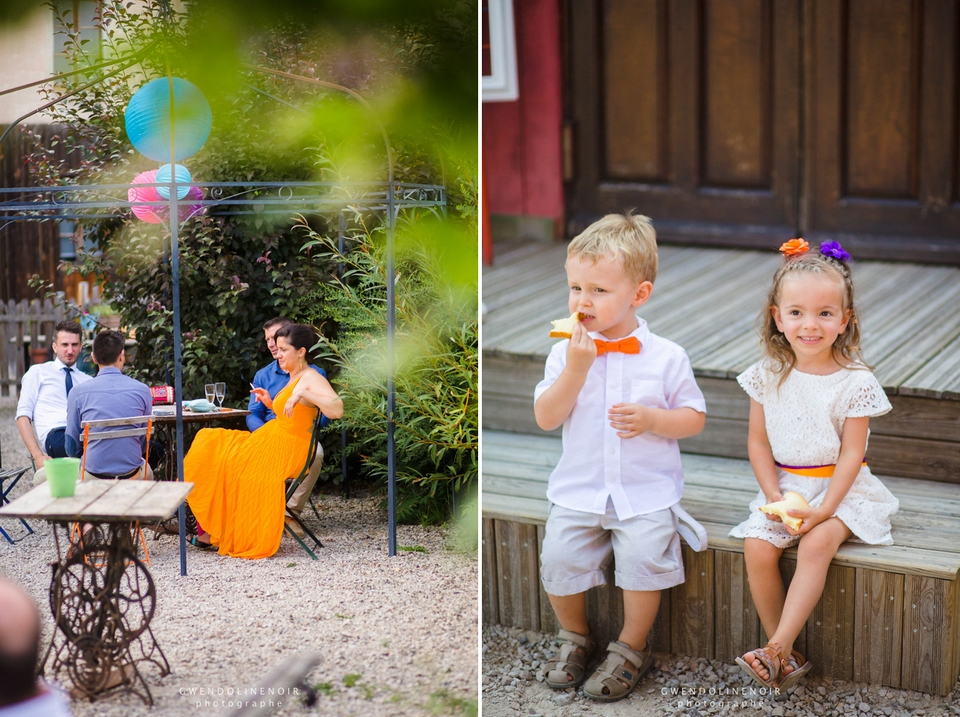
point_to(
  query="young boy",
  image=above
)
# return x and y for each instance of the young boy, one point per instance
(623, 396)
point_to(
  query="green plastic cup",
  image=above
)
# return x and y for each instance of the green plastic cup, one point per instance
(62, 474)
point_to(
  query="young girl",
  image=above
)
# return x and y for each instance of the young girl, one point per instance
(811, 398)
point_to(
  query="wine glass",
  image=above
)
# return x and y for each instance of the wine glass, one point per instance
(221, 392)
(210, 391)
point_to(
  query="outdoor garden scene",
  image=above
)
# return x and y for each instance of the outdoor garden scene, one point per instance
(186, 174)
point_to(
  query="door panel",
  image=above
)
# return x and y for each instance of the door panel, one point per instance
(736, 113)
(880, 132)
(636, 120)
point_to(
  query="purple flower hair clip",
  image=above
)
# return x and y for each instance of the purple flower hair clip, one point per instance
(834, 250)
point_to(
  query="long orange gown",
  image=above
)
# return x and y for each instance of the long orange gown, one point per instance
(238, 495)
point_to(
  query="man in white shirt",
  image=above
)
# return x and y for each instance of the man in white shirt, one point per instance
(43, 398)
(624, 396)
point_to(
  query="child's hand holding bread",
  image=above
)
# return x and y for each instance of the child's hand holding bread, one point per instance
(582, 350)
(563, 328)
(778, 510)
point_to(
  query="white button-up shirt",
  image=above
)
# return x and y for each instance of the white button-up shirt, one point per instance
(43, 396)
(641, 474)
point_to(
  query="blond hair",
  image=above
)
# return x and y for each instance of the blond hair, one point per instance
(846, 349)
(628, 238)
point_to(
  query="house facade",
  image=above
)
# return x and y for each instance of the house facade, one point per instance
(32, 50)
(734, 122)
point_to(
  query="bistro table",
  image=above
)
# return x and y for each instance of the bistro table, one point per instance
(101, 594)
(165, 420)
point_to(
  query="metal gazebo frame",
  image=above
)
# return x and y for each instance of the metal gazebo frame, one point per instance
(82, 202)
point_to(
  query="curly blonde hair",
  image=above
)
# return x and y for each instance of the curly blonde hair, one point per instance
(629, 238)
(846, 349)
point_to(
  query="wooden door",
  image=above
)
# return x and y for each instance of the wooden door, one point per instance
(745, 122)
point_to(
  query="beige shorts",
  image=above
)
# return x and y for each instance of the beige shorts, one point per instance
(577, 547)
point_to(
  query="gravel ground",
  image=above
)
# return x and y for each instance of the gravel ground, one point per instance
(512, 684)
(398, 636)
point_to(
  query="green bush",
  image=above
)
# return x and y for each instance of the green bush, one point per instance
(436, 415)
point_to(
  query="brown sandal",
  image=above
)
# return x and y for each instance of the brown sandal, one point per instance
(617, 675)
(801, 667)
(571, 660)
(769, 657)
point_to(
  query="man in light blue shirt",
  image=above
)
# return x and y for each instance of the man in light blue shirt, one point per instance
(109, 395)
(273, 378)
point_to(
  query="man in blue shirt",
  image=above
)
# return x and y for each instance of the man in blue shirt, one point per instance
(109, 395)
(273, 378)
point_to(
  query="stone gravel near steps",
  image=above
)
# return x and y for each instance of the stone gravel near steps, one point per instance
(397, 635)
(512, 686)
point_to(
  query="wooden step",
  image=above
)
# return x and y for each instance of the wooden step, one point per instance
(926, 529)
(889, 614)
(919, 438)
(707, 300)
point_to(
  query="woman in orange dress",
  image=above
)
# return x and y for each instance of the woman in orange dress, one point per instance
(238, 493)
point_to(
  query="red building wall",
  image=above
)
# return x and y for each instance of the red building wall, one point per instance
(521, 139)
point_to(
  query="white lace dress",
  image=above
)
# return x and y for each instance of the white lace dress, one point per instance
(804, 420)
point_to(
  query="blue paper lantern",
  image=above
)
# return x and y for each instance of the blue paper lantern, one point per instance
(147, 119)
(183, 181)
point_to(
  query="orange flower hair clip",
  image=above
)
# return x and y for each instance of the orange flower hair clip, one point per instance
(794, 247)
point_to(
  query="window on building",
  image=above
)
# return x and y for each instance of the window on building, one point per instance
(68, 250)
(71, 234)
(499, 52)
(79, 16)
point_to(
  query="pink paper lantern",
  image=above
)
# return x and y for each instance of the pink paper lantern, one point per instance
(151, 215)
(158, 215)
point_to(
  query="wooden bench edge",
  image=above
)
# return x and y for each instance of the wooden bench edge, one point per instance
(946, 566)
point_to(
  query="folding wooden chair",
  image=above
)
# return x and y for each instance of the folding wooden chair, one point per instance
(102, 435)
(291, 489)
(10, 476)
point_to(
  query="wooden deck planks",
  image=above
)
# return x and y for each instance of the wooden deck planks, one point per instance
(737, 622)
(517, 571)
(830, 628)
(707, 300)
(930, 614)
(490, 596)
(879, 617)
(692, 626)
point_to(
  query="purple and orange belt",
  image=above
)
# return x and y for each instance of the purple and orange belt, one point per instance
(811, 471)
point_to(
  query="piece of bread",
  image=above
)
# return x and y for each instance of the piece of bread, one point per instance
(790, 500)
(563, 328)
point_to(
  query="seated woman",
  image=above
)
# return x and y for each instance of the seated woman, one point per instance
(238, 496)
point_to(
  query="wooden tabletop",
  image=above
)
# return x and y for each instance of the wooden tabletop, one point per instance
(103, 501)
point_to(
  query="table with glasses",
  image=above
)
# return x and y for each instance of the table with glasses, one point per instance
(101, 592)
(165, 421)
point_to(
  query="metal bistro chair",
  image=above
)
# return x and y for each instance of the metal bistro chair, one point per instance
(12, 475)
(291, 489)
(145, 430)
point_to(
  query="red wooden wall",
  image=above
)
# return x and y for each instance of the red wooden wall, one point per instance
(521, 139)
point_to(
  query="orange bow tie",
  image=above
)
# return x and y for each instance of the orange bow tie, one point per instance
(629, 345)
